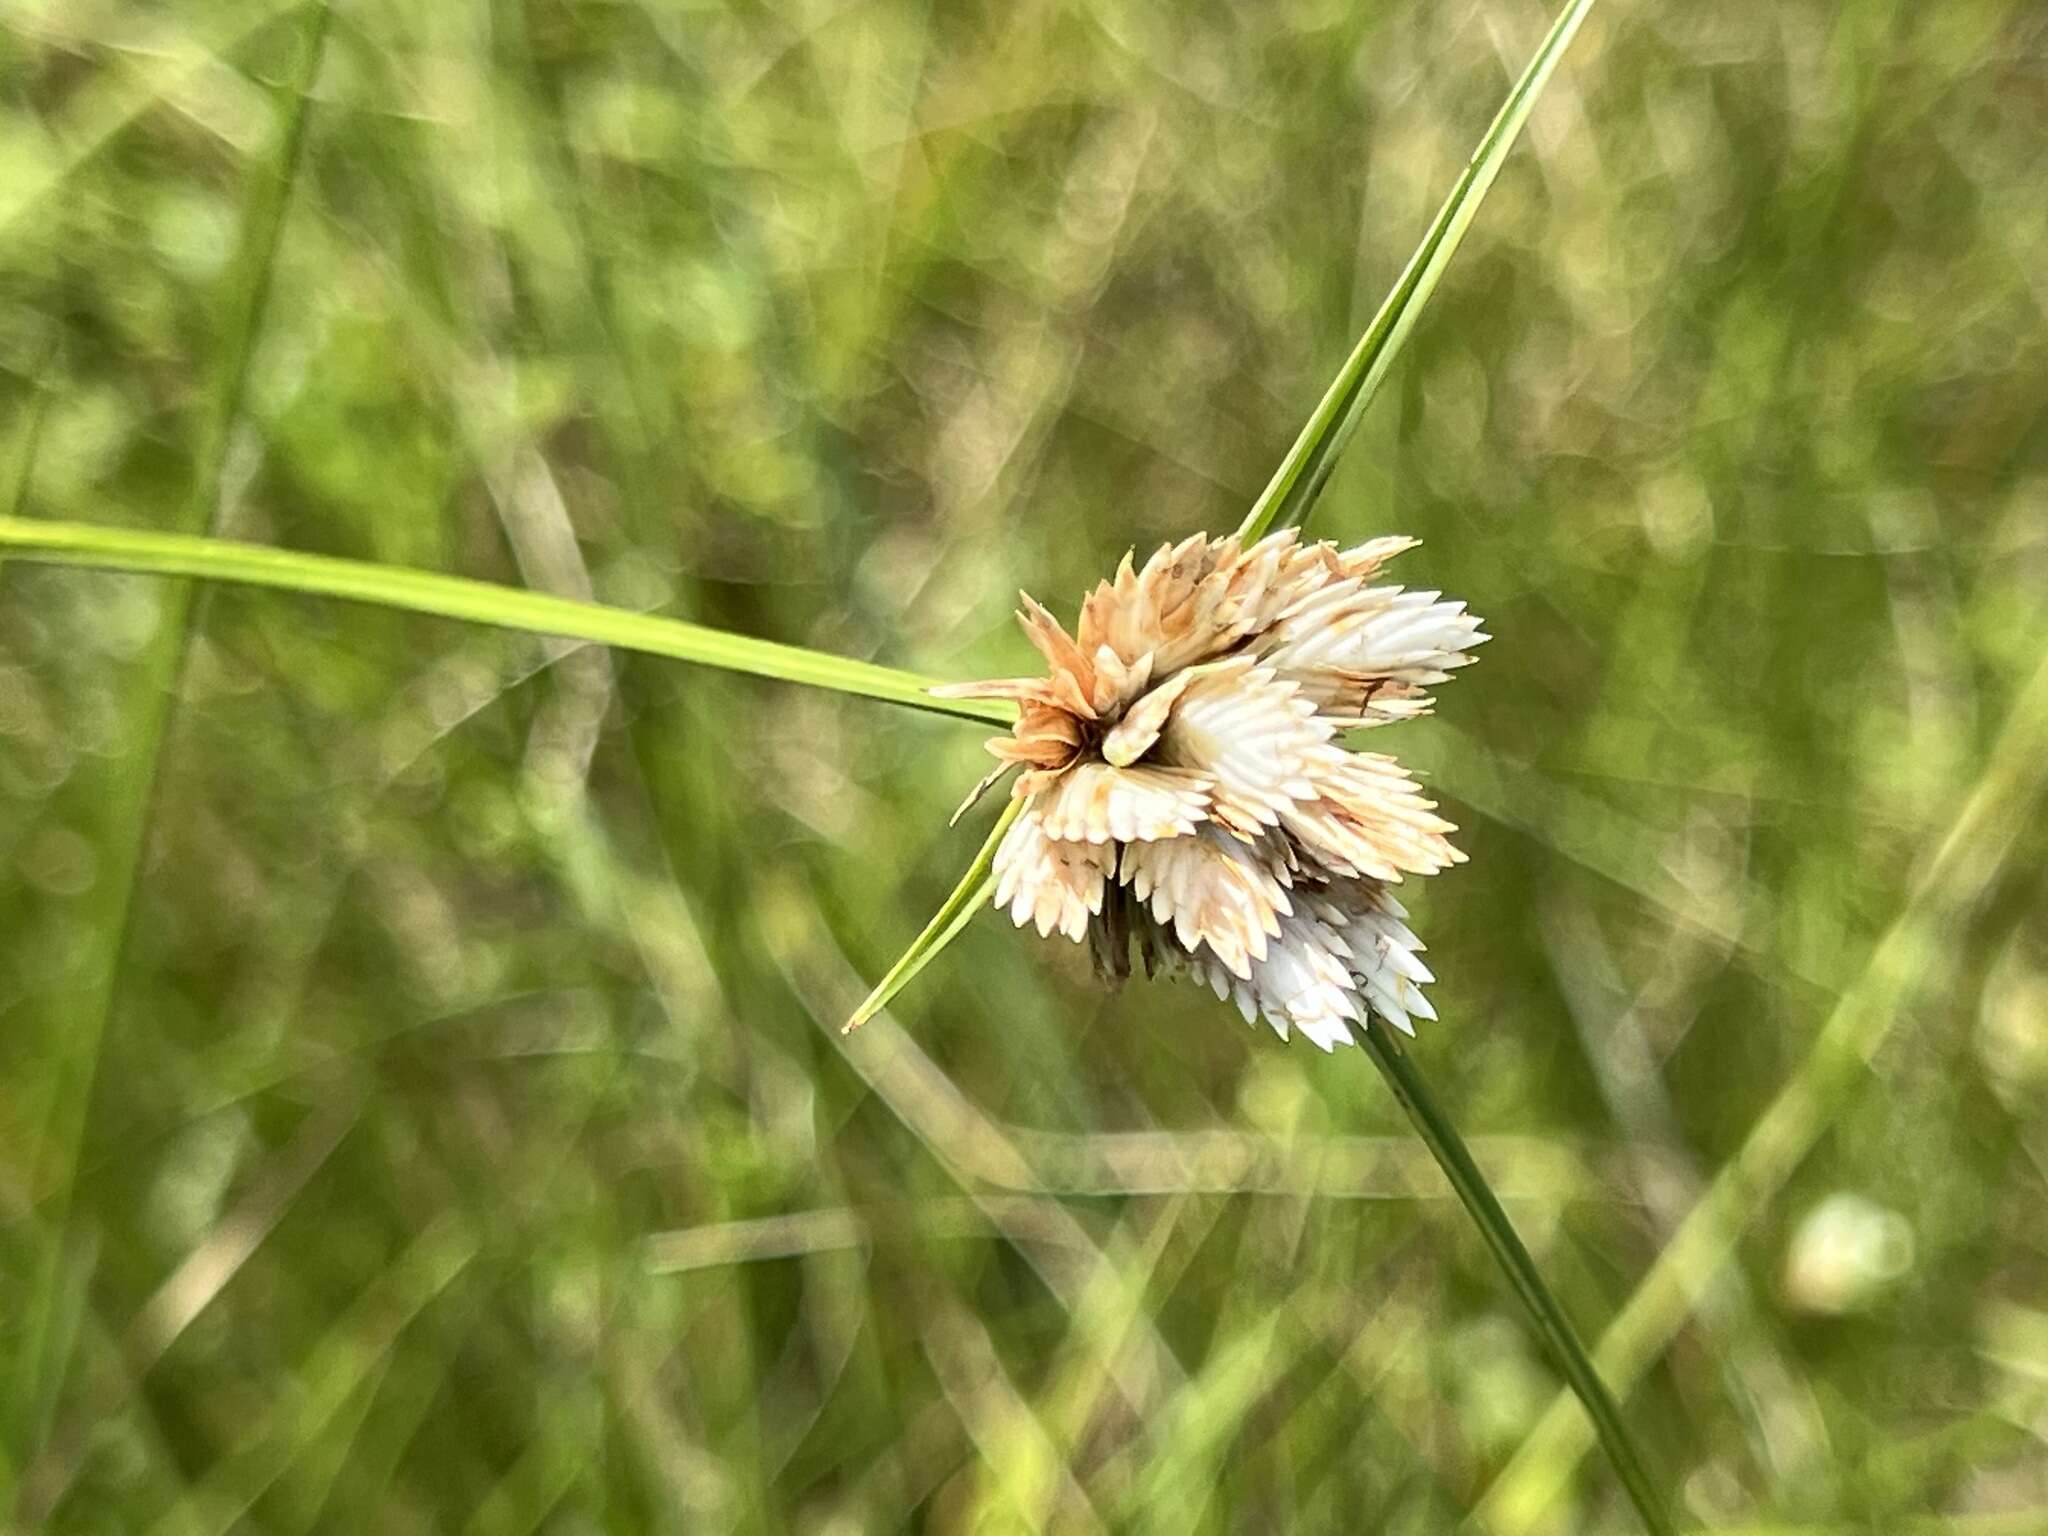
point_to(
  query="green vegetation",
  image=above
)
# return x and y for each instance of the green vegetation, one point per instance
(424, 1103)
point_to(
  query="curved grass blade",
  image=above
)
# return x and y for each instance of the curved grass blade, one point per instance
(479, 602)
(968, 898)
(1292, 492)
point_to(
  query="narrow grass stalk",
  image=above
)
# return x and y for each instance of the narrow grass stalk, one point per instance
(968, 898)
(127, 805)
(480, 602)
(1299, 480)
(1551, 1325)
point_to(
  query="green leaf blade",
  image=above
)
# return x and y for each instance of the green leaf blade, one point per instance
(947, 924)
(478, 602)
(1292, 492)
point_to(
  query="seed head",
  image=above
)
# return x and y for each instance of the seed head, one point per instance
(1186, 789)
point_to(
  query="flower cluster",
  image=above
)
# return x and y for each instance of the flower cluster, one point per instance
(1185, 788)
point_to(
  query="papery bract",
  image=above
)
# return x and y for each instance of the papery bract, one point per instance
(1187, 791)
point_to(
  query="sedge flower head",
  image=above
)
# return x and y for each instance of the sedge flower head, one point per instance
(1187, 790)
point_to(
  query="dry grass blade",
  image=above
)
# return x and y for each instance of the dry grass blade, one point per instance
(351, 1352)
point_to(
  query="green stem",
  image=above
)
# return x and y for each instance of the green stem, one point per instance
(1498, 1232)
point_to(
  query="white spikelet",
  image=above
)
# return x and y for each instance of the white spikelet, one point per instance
(1186, 785)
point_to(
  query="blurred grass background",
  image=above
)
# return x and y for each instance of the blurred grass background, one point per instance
(421, 1106)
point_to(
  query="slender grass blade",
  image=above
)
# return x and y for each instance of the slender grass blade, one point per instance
(126, 807)
(1292, 492)
(479, 602)
(968, 898)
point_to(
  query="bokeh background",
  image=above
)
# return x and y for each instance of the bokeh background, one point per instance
(421, 1101)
